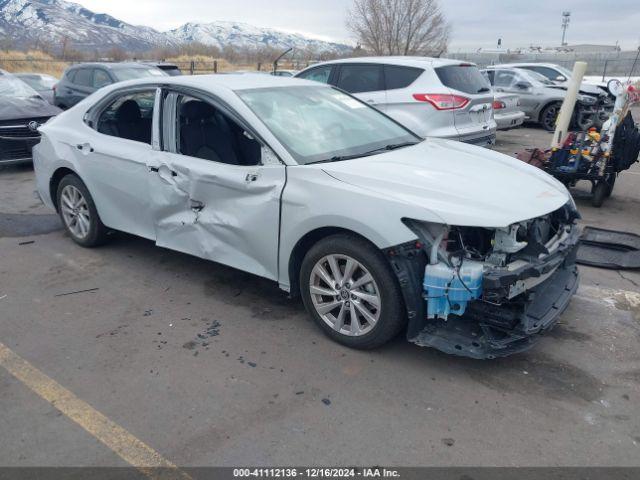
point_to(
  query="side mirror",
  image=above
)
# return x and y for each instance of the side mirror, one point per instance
(523, 85)
(561, 78)
(268, 156)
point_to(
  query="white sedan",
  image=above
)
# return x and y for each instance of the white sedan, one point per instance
(380, 231)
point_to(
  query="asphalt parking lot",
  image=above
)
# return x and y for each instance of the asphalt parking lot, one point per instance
(205, 365)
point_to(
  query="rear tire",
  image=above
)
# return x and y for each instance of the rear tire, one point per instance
(79, 214)
(360, 305)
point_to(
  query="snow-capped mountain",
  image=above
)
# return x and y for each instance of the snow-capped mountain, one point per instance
(36, 23)
(30, 23)
(238, 34)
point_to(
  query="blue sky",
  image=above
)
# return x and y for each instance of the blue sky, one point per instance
(476, 23)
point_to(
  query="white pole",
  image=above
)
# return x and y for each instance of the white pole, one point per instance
(566, 111)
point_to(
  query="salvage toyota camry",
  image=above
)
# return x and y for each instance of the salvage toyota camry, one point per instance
(379, 231)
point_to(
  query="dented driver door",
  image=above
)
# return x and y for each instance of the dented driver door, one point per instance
(225, 213)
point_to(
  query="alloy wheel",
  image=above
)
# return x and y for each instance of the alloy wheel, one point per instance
(345, 295)
(75, 211)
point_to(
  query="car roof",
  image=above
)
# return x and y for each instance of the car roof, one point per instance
(527, 64)
(233, 82)
(32, 74)
(503, 67)
(111, 65)
(399, 60)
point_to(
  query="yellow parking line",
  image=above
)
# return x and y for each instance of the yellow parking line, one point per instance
(125, 445)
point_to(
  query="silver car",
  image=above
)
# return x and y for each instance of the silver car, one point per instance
(540, 99)
(433, 97)
(506, 111)
(378, 230)
(557, 74)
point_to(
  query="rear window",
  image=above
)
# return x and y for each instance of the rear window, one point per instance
(131, 73)
(400, 77)
(465, 78)
(171, 71)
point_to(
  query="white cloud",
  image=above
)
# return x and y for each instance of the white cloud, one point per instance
(477, 23)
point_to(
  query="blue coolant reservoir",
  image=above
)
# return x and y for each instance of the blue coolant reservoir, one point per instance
(449, 292)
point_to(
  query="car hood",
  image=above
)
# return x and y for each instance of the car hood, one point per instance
(23, 108)
(585, 89)
(458, 184)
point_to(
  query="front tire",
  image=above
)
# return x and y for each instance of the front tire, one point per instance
(349, 289)
(549, 115)
(78, 213)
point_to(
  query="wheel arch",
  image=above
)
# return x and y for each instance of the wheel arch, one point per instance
(543, 108)
(304, 244)
(55, 180)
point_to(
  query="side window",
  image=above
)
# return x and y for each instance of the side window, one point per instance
(360, 78)
(504, 78)
(400, 77)
(489, 75)
(84, 77)
(100, 78)
(550, 73)
(320, 74)
(129, 116)
(203, 131)
(71, 75)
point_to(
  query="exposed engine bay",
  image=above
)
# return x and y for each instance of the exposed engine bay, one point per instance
(486, 293)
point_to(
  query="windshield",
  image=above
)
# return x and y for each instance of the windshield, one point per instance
(131, 73)
(11, 86)
(535, 77)
(38, 82)
(565, 71)
(317, 123)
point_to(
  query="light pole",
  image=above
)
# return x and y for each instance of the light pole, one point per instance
(566, 18)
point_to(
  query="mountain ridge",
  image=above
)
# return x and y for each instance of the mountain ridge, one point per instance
(33, 23)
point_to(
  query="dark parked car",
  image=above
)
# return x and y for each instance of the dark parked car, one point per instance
(22, 111)
(41, 83)
(80, 81)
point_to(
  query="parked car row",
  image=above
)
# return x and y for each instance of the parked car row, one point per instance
(541, 98)
(432, 97)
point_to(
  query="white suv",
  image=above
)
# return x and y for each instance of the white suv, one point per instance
(434, 97)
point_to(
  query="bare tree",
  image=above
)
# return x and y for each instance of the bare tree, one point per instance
(399, 27)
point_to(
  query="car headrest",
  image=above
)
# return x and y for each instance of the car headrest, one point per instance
(197, 110)
(129, 111)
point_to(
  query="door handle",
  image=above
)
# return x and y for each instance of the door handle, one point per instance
(85, 147)
(196, 205)
(165, 173)
(251, 177)
(371, 101)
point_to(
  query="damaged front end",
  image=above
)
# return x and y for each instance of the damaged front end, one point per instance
(487, 293)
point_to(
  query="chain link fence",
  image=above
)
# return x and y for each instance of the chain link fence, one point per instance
(601, 64)
(188, 67)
